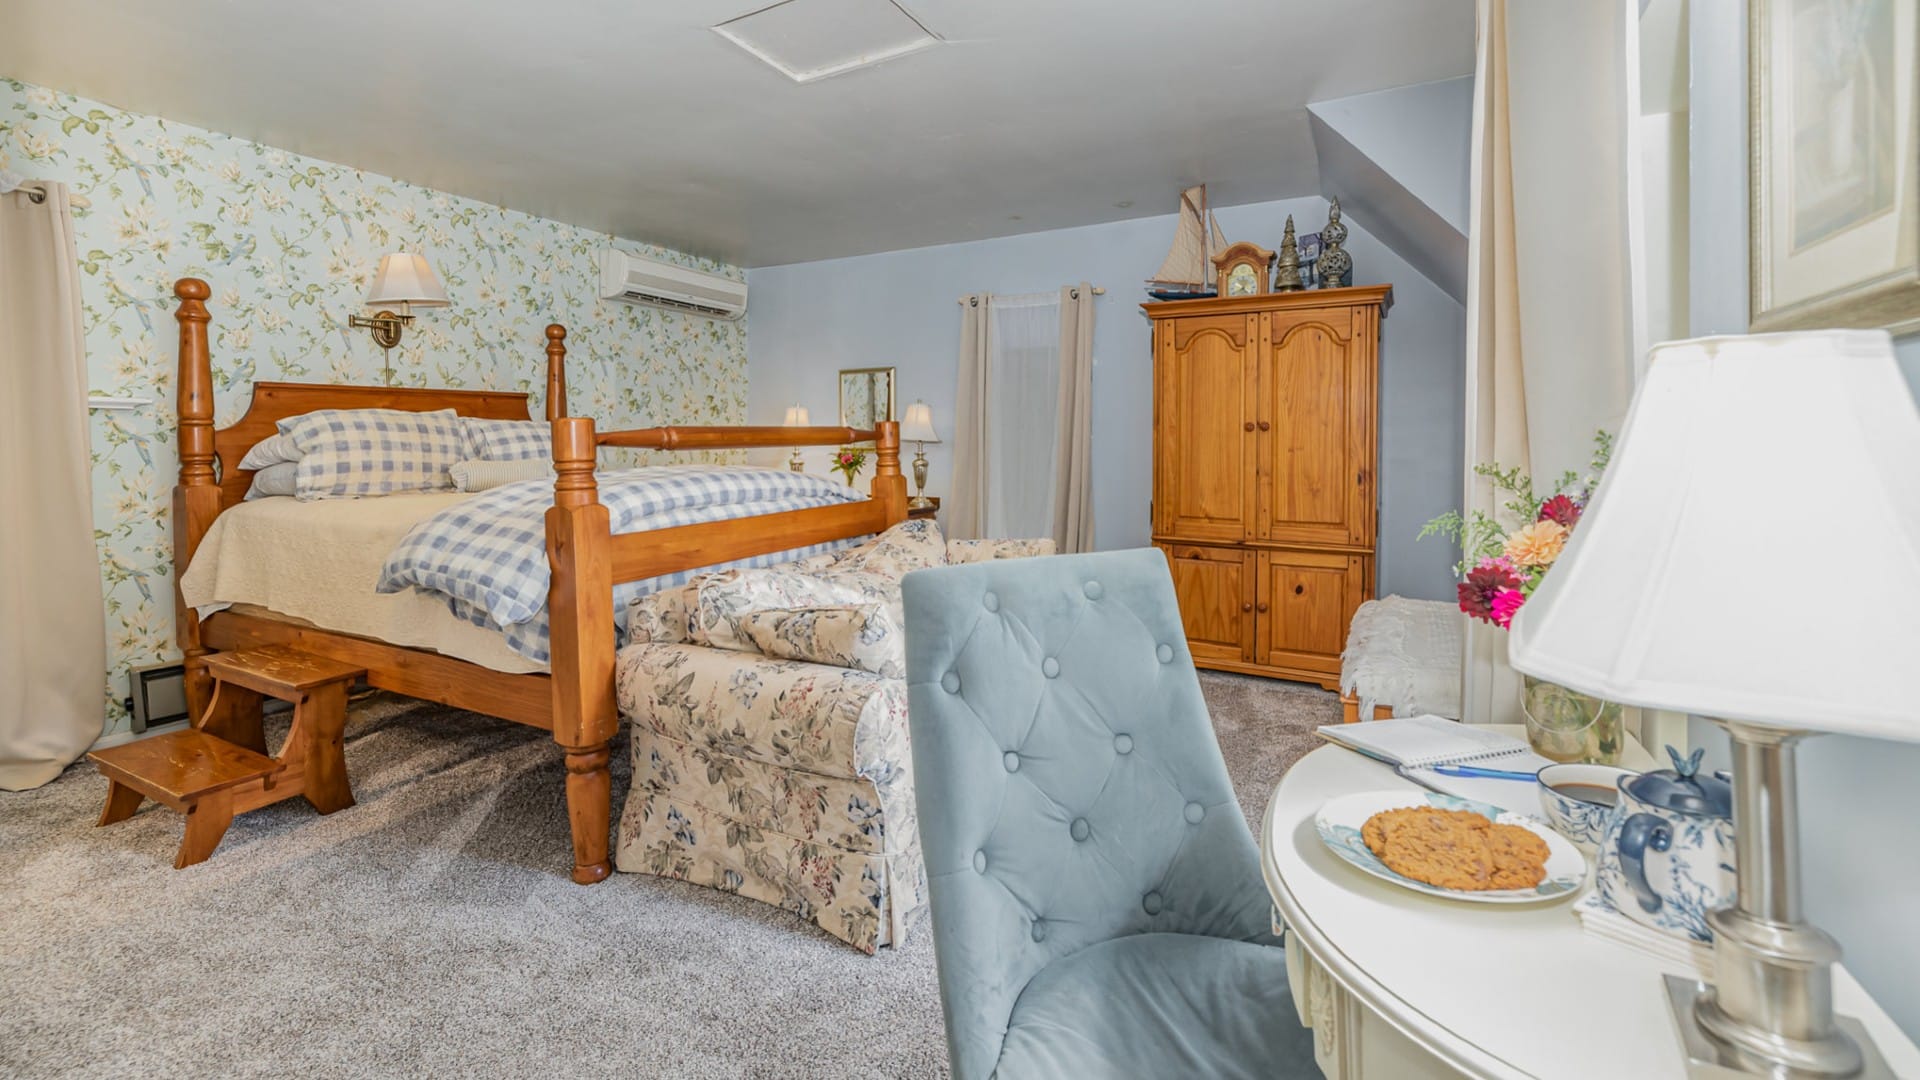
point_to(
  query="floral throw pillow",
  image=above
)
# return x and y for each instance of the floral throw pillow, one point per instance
(726, 598)
(866, 637)
(665, 616)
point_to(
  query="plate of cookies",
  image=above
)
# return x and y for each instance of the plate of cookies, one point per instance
(1446, 846)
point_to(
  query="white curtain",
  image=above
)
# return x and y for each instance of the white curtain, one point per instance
(1024, 418)
(1555, 311)
(53, 638)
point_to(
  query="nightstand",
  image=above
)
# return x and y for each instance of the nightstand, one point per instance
(927, 512)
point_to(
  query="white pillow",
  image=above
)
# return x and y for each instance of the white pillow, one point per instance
(477, 474)
(278, 478)
(272, 450)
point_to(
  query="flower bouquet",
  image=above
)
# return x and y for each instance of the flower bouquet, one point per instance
(848, 461)
(1504, 557)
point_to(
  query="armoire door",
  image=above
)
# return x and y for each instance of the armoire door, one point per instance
(1214, 587)
(1304, 601)
(1203, 403)
(1315, 427)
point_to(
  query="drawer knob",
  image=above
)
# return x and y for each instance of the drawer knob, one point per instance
(1298, 589)
(1264, 425)
(1263, 605)
(1246, 607)
(1249, 425)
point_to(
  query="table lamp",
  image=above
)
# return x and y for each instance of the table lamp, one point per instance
(917, 427)
(796, 417)
(1747, 463)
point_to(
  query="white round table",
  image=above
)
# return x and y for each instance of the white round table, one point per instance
(1487, 990)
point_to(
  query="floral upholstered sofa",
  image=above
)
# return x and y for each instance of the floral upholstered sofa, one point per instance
(770, 750)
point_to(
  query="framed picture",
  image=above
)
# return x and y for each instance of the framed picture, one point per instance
(866, 396)
(1835, 209)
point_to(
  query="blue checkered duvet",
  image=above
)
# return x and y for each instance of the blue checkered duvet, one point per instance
(487, 556)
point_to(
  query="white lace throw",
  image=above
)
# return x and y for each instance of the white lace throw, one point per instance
(1404, 654)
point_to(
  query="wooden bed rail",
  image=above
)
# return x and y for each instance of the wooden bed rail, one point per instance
(733, 438)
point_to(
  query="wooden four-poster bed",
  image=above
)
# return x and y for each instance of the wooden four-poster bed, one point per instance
(574, 699)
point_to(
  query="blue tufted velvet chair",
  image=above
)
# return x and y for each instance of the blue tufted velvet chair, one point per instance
(1098, 908)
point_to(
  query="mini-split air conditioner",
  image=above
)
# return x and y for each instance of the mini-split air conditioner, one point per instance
(635, 280)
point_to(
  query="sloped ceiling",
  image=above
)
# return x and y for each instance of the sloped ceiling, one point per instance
(634, 118)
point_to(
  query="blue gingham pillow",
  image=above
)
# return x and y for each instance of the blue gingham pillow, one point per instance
(349, 453)
(508, 440)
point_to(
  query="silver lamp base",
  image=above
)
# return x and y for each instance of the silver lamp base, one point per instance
(919, 500)
(1769, 1011)
(1708, 1059)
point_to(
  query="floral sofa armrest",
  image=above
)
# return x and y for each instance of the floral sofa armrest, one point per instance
(972, 551)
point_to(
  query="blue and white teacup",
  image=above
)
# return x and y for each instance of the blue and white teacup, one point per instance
(1578, 799)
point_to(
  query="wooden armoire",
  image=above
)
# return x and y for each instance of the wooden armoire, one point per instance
(1264, 472)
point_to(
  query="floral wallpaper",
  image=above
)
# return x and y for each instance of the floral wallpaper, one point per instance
(289, 245)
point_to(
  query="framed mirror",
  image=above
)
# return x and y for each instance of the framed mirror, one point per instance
(866, 396)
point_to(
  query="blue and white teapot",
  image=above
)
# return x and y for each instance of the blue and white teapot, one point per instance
(1667, 856)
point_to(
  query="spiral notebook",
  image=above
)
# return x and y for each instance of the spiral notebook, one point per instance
(1414, 744)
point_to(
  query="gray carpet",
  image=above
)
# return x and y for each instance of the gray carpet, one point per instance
(431, 930)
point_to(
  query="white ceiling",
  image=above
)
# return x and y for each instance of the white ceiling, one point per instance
(634, 118)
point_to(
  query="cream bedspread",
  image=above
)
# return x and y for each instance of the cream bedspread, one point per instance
(319, 562)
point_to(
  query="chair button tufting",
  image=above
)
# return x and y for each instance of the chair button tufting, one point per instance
(1011, 760)
(1165, 653)
(979, 862)
(1039, 930)
(1093, 589)
(1123, 743)
(1195, 812)
(1050, 667)
(1080, 829)
(1152, 903)
(991, 602)
(950, 682)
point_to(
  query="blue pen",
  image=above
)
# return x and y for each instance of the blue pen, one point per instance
(1489, 774)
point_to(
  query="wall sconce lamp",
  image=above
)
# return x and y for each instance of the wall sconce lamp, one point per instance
(917, 428)
(405, 279)
(796, 417)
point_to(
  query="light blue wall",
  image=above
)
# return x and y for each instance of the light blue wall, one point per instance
(1859, 799)
(900, 308)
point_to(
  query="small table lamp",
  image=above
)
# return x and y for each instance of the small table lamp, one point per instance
(917, 427)
(1753, 556)
(796, 417)
(406, 279)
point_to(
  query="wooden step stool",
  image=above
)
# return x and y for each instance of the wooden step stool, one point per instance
(219, 766)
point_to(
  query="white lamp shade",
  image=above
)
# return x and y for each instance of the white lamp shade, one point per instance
(796, 416)
(405, 278)
(917, 424)
(1753, 552)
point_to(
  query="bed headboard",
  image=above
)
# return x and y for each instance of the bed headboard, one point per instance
(274, 401)
(201, 444)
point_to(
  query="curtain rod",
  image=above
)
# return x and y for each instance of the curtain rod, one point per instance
(1098, 290)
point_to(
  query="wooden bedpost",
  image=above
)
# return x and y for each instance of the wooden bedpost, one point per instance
(196, 499)
(889, 486)
(556, 371)
(580, 618)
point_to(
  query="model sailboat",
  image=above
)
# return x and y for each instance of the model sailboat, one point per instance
(1188, 271)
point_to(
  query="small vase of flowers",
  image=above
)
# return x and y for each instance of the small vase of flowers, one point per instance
(1504, 557)
(848, 461)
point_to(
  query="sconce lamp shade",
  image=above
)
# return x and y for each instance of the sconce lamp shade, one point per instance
(405, 278)
(1753, 553)
(796, 416)
(917, 425)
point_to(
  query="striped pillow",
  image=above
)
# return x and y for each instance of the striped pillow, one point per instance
(508, 440)
(351, 453)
